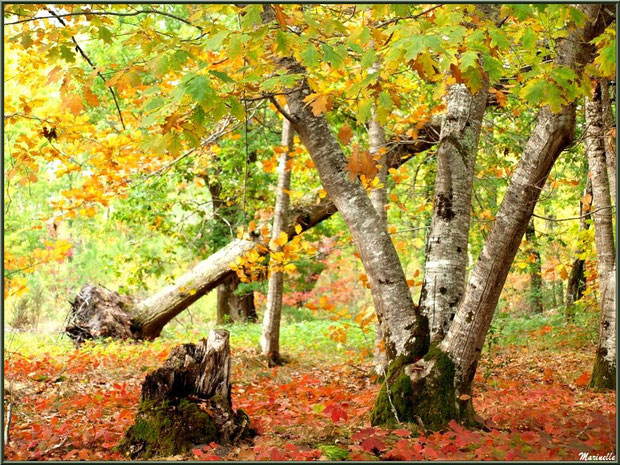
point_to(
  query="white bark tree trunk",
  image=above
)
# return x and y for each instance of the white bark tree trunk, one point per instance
(604, 373)
(270, 339)
(446, 256)
(609, 126)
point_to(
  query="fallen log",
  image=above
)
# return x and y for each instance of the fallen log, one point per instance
(125, 318)
(187, 402)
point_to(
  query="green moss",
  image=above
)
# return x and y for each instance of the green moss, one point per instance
(603, 375)
(432, 398)
(167, 429)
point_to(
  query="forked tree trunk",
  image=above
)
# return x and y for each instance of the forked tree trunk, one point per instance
(145, 319)
(536, 287)
(187, 402)
(438, 387)
(604, 374)
(446, 253)
(270, 339)
(577, 278)
(404, 328)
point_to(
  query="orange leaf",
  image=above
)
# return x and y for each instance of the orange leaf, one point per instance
(345, 134)
(583, 380)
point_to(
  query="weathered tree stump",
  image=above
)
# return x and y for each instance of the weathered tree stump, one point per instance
(99, 312)
(187, 402)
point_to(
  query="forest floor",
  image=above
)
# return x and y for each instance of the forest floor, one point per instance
(531, 389)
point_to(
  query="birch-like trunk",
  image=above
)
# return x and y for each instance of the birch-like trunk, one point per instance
(379, 199)
(609, 134)
(438, 387)
(536, 286)
(270, 339)
(446, 253)
(404, 328)
(604, 373)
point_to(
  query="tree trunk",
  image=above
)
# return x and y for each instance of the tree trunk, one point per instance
(146, 319)
(604, 374)
(379, 199)
(446, 253)
(536, 290)
(187, 402)
(609, 133)
(404, 328)
(438, 387)
(270, 339)
(577, 278)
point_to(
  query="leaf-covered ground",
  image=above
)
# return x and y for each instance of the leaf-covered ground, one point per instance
(75, 405)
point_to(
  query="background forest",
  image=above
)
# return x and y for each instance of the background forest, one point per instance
(359, 194)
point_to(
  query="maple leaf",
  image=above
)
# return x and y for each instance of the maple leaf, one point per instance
(361, 162)
(345, 134)
(373, 444)
(583, 380)
(320, 103)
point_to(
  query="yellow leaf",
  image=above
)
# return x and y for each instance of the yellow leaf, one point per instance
(298, 229)
(282, 239)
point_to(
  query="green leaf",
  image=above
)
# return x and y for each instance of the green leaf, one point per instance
(310, 56)
(222, 76)
(499, 39)
(251, 16)
(198, 88)
(529, 39)
(332, 56)
(364, 110)
(67, 54)
(414, 45)
(468, 60)
(473, 79)
(105, 34)
(534, 91)
(281, 41)
(493, 67)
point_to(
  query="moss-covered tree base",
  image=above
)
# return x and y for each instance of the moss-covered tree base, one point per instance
(173, 427)
(603, 375)
(422, 393)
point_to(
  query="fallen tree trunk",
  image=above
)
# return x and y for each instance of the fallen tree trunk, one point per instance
(123, 318)
(187, 402)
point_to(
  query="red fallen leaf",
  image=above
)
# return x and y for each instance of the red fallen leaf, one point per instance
(84, 454)
(276, 454)
(363, 434)
(583, 380)
(373, 444)
(198, 452)
(403, 433)
(291, 447)
(336, 412)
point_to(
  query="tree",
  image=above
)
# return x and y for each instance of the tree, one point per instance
(270, 339)
(604, 373)
(438, 387)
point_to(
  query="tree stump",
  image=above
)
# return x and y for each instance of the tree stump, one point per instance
(187, 402)
(99, 312)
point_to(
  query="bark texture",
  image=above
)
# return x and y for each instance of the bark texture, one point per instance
(270, 339)
(404, 327)
(536, 284)
(187, 402)
(604, 373)
(379, 199)
(609, 131)
(446, 255)
(449, 366)
(146, 319)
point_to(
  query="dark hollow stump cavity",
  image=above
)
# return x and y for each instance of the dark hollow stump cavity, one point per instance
(98, 312)
(187, 402)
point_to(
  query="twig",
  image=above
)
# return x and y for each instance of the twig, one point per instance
(53, 448)
(389, 396)
(284, 113)
(555, 220)
(92, 65)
